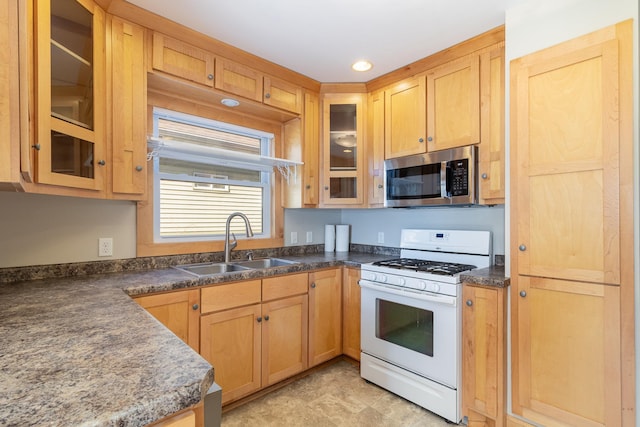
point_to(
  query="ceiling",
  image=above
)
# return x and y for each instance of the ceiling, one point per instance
(322, 38)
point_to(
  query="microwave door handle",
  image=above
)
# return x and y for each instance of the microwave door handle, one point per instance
(444, 190)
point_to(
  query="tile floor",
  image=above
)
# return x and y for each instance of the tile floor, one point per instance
(333, 396)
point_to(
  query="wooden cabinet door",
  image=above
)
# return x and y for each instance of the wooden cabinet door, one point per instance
(231, 341)
(282, 94)
(375, 150)
(11, 115)
(405, 118)
(238, 79)
(284, 338)
(343, 149)
(311, 150)
(325, 315)
(351, 313)
(129, 107)
(453, 104)
(178, 311)
(566, 352)
(182, 60)
(484, 354)
(491, 167)
(70, 106)
(565, 164)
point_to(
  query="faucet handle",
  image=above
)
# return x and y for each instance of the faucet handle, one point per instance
(234, 243)
(250, 255)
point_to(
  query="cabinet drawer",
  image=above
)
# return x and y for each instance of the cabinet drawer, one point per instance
(223, 297)
(284, 286)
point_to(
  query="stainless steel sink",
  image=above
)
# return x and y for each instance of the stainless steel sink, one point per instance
(208, 268)
(264, 263)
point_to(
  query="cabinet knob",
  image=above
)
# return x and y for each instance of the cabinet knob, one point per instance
(522, 248)
(420, 139)
(210, 76)
(266, 317)
(313, 285)
(429, 138)
(485, 176)
(523, 294)
(469, 302)
(326, 187)
(380, 185)
(36, 146)
(259, 319)
(139, 168)
(102, 163)
(195, 306)
(267, 95)
(308, 187)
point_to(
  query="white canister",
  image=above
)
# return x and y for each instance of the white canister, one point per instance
(342, 238)
(329, 237)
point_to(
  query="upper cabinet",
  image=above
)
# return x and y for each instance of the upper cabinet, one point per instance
(453, 104)
(491, 164)
(196, 65)
(244, 81)
(70, 94)
(182, 60)
(11, 117)
(375, 149)
(343, 149)
(405, 118)
(128, 83)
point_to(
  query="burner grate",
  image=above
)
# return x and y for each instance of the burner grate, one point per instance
(434, 267)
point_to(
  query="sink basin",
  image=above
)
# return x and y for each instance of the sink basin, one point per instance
(264, 263)
(209, 268)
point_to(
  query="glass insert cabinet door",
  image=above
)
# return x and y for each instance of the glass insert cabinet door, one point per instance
(70, 79)
(343, 149)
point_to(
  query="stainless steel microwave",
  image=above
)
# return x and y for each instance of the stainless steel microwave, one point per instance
(445, 177)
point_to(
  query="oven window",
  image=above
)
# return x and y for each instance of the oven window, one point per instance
(408, 327)
(416, 182)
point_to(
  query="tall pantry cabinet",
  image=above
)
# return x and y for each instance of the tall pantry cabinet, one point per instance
(572, 231)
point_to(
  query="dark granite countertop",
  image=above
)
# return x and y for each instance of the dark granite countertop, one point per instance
(491, 277)
(80, 351)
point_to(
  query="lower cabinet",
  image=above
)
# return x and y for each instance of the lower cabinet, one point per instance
(325, 315)
(255, 332)
(351, 313)
(178, 311)
(484, 355)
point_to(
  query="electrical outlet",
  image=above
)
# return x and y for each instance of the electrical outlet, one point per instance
(309, 236)
(380, 237)
(105, 246)
(294, 237)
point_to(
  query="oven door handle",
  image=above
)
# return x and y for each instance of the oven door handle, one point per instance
(439, 299)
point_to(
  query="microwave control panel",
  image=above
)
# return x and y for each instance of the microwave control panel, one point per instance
(459, 177)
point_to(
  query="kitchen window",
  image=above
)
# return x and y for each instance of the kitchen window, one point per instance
(204, 170)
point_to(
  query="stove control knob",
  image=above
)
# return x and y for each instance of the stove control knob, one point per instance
(423, 286)
(402, 282)
(434, 287)
(382, 278)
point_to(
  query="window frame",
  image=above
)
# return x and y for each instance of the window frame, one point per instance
(145, 245)
(266, 142)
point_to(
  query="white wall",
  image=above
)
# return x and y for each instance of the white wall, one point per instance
(38, 229)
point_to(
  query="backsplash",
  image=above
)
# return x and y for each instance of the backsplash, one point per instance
(17, 274)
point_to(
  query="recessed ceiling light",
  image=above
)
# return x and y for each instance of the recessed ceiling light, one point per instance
(228, 102)
(362, 66)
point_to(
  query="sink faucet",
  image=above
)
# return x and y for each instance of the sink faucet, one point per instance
(228, 246)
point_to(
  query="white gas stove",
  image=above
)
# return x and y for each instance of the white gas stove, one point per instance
(411, 316)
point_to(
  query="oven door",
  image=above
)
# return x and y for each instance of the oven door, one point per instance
(416, 331)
